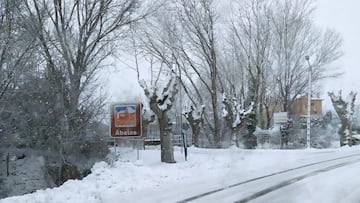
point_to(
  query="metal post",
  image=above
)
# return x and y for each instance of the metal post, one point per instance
(181, 130)
(185, 145)
(280, 137)
(7, 164)
(138, 154)
(115, 150)
(308, 123)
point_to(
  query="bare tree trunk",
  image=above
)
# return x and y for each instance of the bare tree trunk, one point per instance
(294, 36)
(341, 131)
(195, 124)
(344, 110)
(165, 126)
(186, 38)
(160, 104)
(217, 123)
(167, 151)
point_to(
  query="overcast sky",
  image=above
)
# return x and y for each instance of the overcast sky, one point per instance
(344, 17)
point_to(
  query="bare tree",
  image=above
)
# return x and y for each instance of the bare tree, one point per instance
(345, 111)
(195, 118)
(161, 96)
(16, 46)
(18, 61)
(185, 36)
(163, 39)
(252, 30)
(271, 39)
(294, 37)
(75, 38)
(198, 20)
(235, 116)
(270, 103)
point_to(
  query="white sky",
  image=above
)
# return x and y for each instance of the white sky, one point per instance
(343, 16)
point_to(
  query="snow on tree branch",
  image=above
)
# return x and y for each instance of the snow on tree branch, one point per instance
(233, 112)
(241, 113)
(195, 113)
(165, 98)
(225, 113)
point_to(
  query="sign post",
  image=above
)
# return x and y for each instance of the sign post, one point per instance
(280, 117)
(184, 126)
(125, 121)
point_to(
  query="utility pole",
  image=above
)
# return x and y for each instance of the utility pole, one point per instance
(181, 129)
(308, 123)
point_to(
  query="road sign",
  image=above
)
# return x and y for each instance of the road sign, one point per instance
(280, 117)
(125, 120)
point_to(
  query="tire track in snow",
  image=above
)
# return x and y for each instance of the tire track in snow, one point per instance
(263, 192)
(293, 180)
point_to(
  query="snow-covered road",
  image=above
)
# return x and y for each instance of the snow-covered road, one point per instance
(208, 170)
(226, 189)
(252, 189)
(338, 185)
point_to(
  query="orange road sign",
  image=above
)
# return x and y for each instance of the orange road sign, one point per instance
(125, 120)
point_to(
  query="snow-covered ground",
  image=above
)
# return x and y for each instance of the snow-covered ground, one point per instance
(149, 180)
